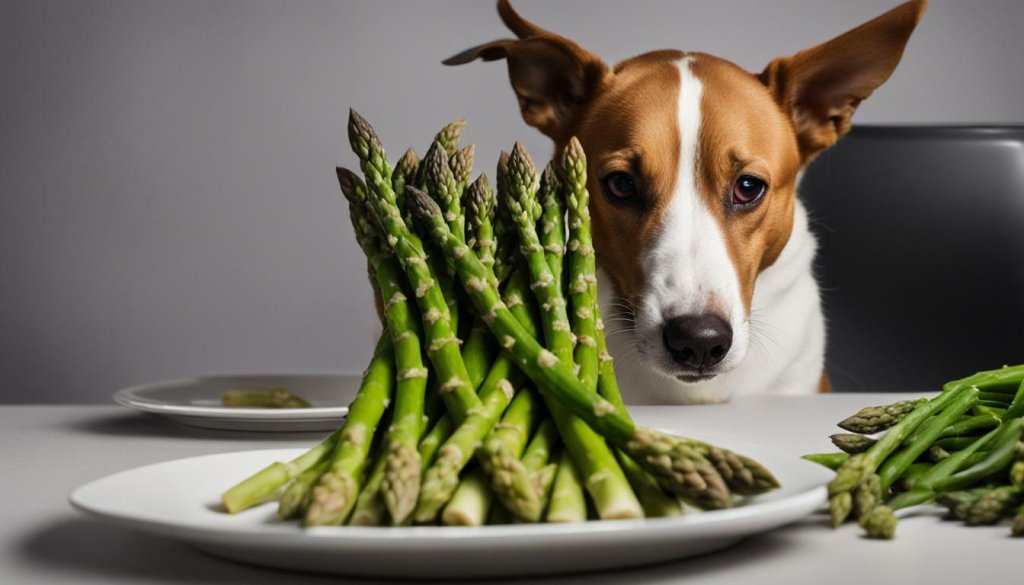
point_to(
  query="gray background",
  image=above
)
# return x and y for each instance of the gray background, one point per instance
(167, 200)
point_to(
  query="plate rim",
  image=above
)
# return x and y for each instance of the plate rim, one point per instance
(129, 397)
(428, 536)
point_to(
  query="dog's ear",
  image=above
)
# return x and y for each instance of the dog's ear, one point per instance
(821, 87)
(552, 76)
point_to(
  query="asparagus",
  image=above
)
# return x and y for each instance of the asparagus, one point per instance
(858, 467)
(404, 174)
(370, 509)
(480, 347)
(874, 419)
(401, 482)
(539, 451)
(504, 229)
(676, 464)
(852, 443)
(442, 344)
(551, 230)
(582, 267)
(1006, 379)
(880, 523)
(295, 499)
(461, 165)
(500, 454)
(605, 481)
(496, 393)
(994, 505)
(273, 398)
(962, 399)
(442, 478)
(567, 501)
(959, 502)
(831, 460)
(479, 203)
(998, 459)
(971, 425)
(471, 501)
(336, 491)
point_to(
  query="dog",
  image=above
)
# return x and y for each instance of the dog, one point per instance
(704, 251)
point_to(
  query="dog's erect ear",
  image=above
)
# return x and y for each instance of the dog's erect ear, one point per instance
(552, 76)
(821, 87)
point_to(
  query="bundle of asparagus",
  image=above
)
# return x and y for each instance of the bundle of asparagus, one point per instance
(491, 396)
(961, 449)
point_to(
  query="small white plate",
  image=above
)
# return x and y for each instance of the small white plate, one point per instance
(180, 500)
(196, 401)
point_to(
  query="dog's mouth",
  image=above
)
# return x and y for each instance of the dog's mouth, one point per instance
(695, 378)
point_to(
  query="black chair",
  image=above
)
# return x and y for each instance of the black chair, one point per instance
(921, 257)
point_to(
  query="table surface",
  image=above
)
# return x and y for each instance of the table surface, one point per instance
(47, 451)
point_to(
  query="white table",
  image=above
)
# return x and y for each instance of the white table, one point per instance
(46, 451)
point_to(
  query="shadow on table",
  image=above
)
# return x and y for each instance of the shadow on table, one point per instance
(93, 551)
(133, 424)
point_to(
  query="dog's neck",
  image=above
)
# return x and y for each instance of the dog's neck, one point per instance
(787, 336)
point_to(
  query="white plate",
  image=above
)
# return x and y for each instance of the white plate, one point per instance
(196, 401)
(180, 499)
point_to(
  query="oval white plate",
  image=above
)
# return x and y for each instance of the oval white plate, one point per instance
(180, 499)
(196, 401)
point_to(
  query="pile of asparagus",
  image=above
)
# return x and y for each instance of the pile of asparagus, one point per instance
(491, 397)
(961, 449)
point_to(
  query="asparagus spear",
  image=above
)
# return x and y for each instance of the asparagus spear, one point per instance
(295, 499)
(873, 419)
(501, 451)
(994, 505)
(480, 347)
(971, 425)
(676, 464)
(551, 229)
(442, 344)
(370, 509)
(401, 482)
(539, 451)
(1006, 379)
(471, 502)
(273, 398)
(461, 165)
(605, 481)
(567, 501)
(404, 174)
(479, 203)
(852, 443)
(831, 460)
(504, 229)
(582, 267)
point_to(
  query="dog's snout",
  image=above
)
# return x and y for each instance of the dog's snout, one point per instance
(697, 341)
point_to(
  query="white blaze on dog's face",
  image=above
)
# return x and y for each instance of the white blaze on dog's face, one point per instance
(692, 166)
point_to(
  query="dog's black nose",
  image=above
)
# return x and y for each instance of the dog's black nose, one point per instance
(697, 341)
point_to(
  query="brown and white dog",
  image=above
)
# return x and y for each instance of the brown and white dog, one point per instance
(704, 249)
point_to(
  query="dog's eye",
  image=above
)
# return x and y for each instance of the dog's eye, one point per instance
(748, 190)
(618, 186)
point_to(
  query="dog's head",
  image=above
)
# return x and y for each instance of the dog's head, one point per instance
(693, 163)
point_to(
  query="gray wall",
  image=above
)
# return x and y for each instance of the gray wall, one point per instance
(167, 200)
